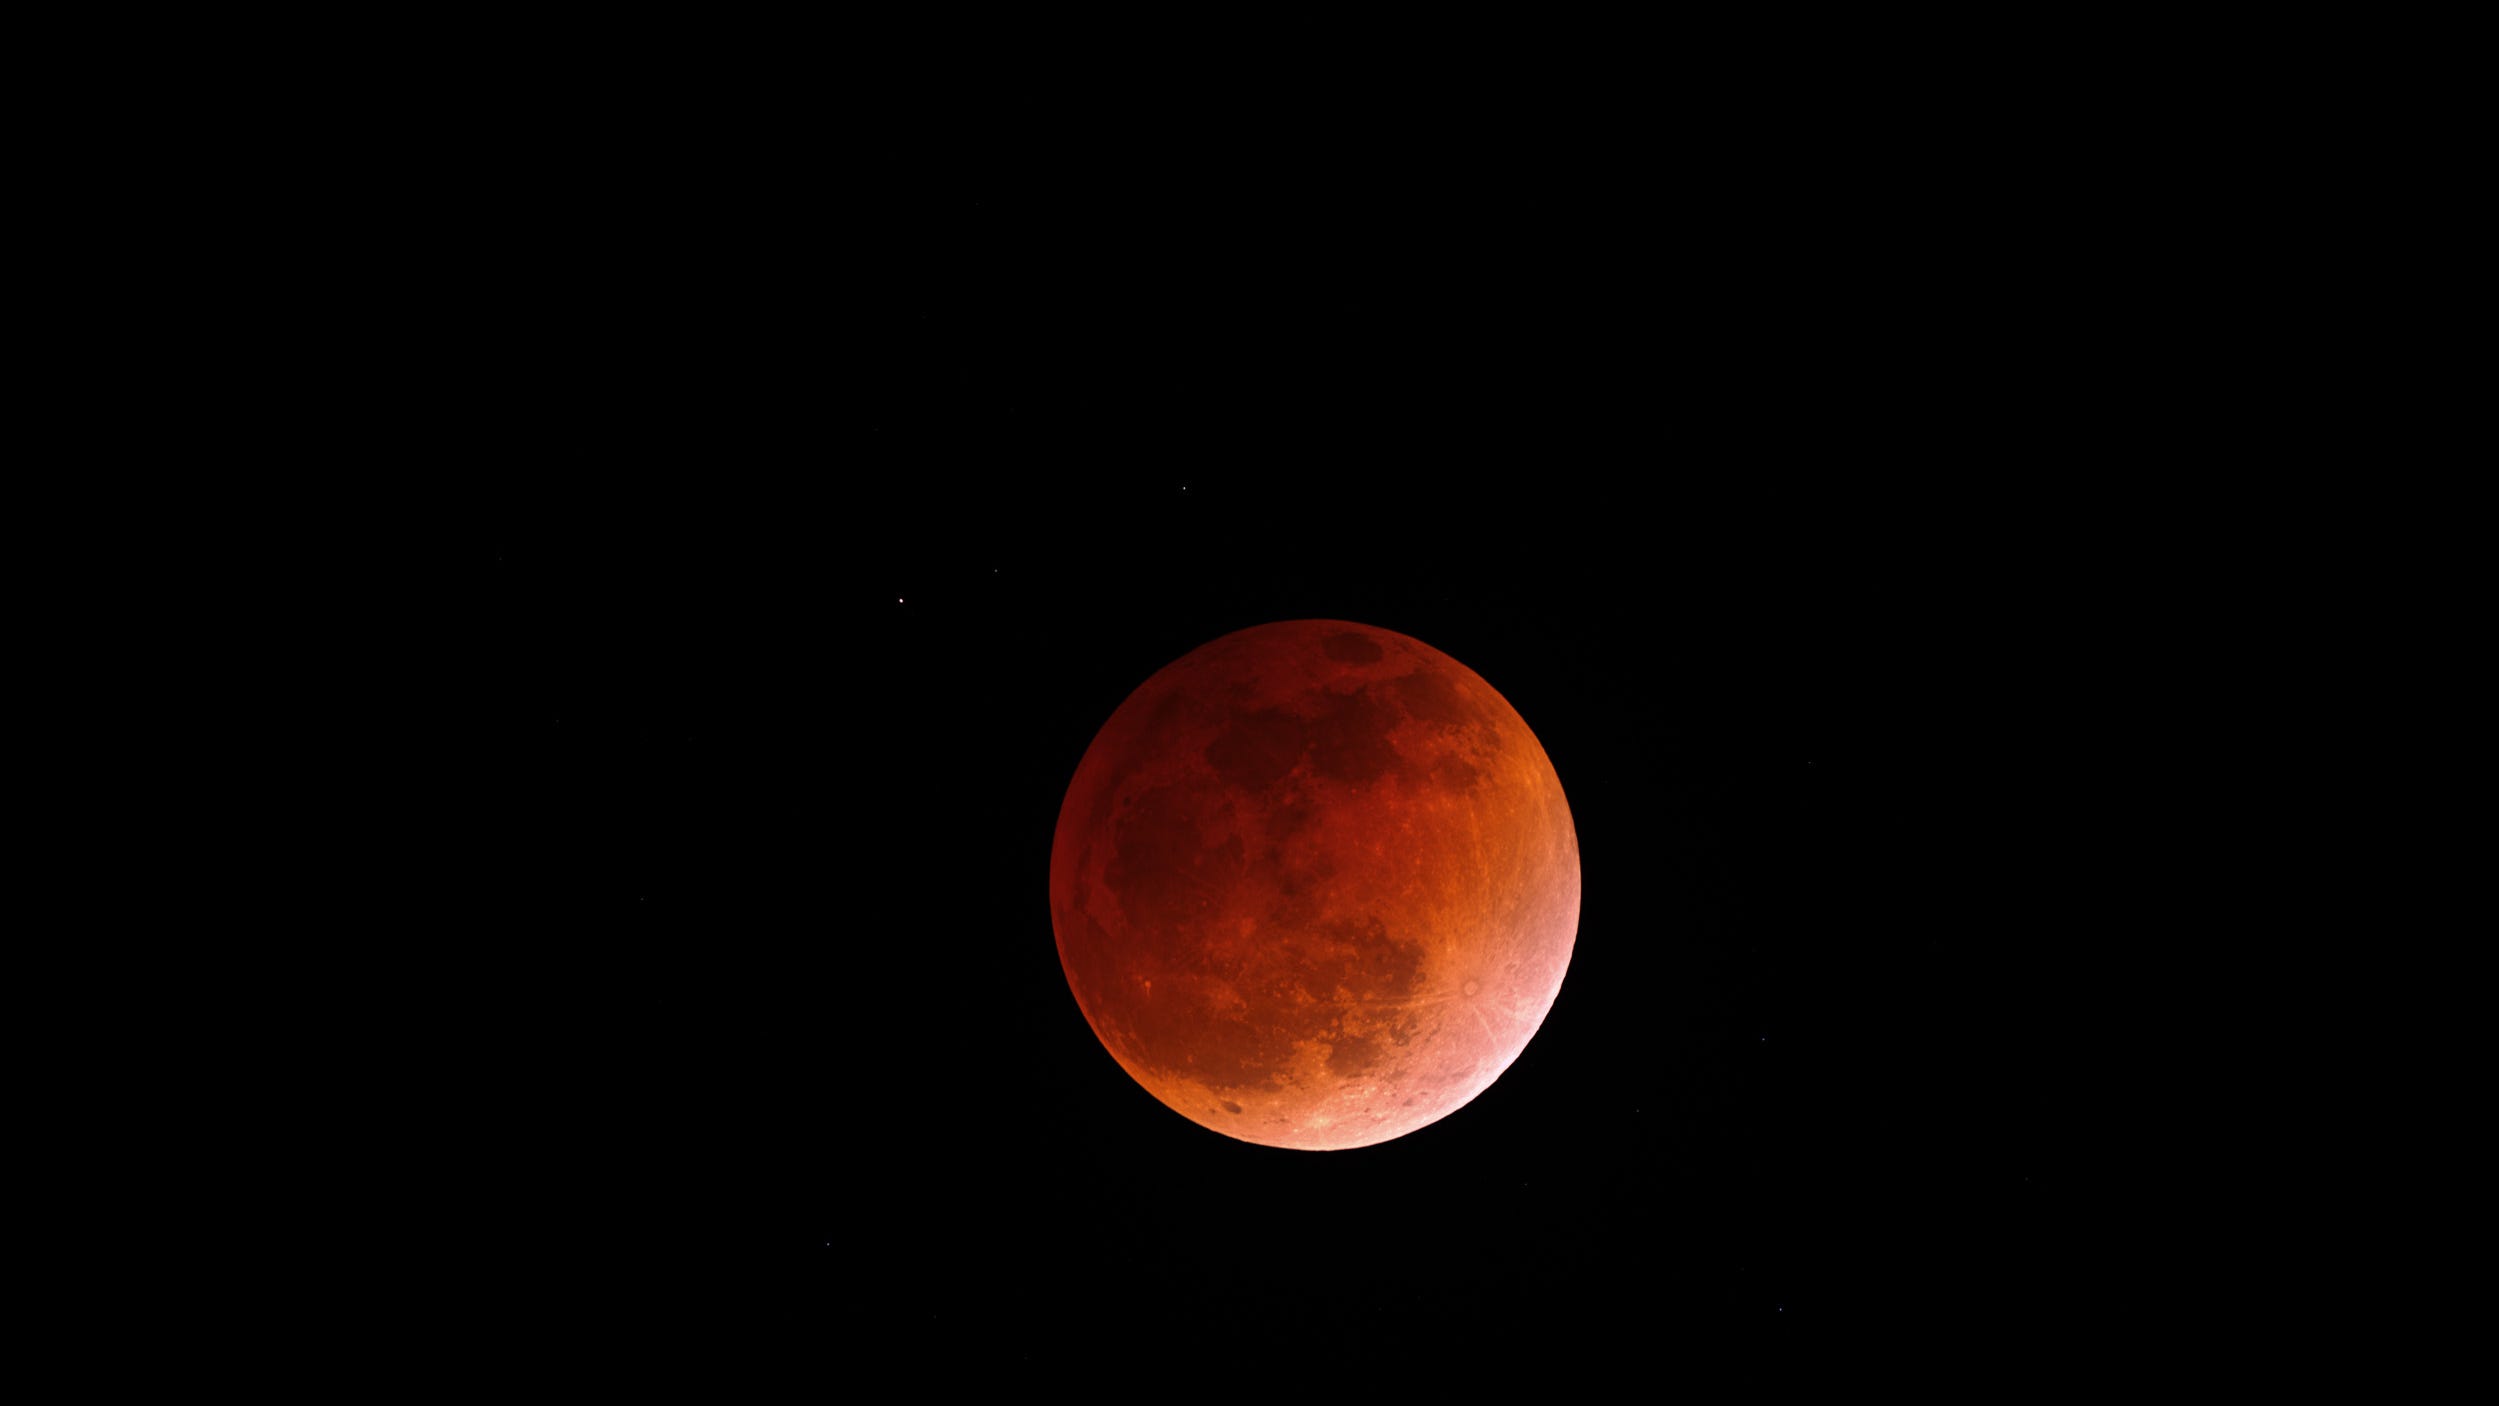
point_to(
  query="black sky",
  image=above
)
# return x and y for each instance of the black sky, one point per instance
(848, 541)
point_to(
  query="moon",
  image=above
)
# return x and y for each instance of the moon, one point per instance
(1315, 885)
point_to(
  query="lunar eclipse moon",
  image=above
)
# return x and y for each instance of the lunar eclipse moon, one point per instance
(1315, 885)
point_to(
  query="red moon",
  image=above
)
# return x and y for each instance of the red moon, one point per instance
(1315, 885)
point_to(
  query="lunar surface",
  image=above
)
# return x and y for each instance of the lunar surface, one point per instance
(1315, 885)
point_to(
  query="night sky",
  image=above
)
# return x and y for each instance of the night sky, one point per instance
(788, 662)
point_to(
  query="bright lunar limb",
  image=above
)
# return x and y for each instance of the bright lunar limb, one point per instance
(1315, 885)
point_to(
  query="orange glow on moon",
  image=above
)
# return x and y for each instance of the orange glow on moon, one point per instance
(1315, 885)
